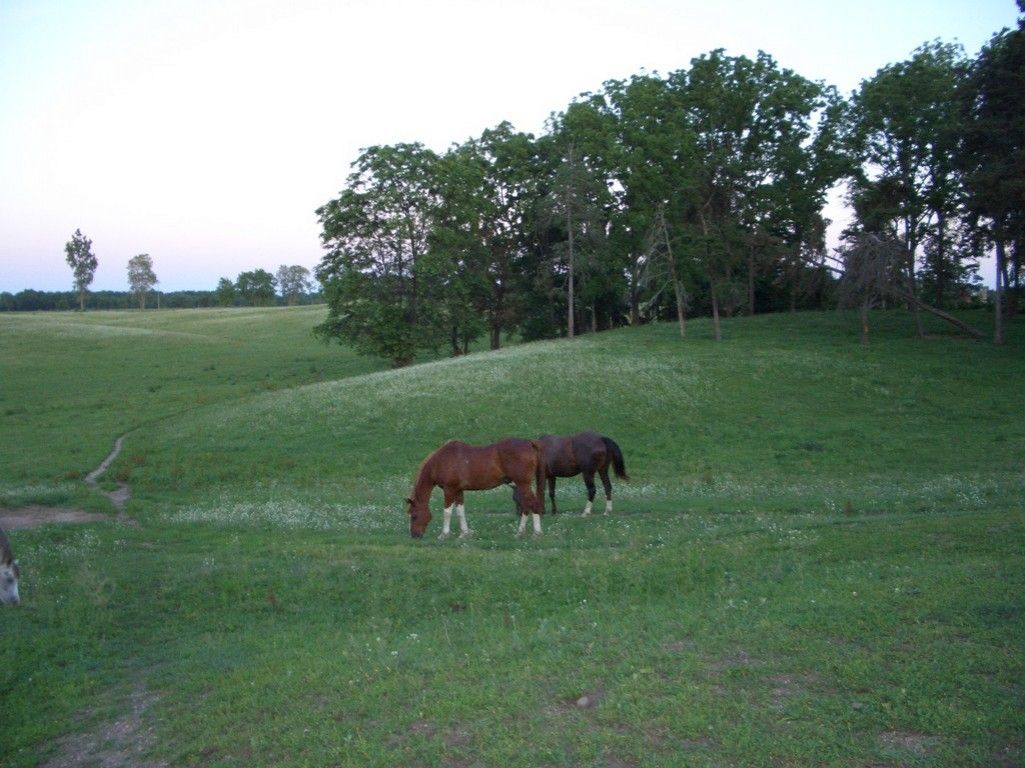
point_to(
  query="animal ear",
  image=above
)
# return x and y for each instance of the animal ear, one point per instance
(409, 500)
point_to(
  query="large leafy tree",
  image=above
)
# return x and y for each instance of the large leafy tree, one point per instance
(293, 282)
(225, 292)
(906, 120)
(257, 287)
(500, 189)
(377, 235)
(575, 206)
(755, 165)
(993, 153)
(141, 277)
(634, 133)
(79, 255)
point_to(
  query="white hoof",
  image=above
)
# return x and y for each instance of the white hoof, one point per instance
(465, 534)
(442, 536)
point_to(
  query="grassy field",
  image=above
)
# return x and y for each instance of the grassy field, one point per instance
(820, 559)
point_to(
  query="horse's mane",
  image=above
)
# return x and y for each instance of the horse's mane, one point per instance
(420, 470)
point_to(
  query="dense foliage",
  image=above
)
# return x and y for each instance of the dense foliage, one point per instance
(698, 193)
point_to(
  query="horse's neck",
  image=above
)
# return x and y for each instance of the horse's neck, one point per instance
(424, 483)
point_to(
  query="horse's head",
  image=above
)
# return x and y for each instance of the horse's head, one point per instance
(9, 573)
(419, 517)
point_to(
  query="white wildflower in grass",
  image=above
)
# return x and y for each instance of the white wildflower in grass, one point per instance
(290, 513)
(45, 495)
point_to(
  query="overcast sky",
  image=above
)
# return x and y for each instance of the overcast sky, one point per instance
(205, 133)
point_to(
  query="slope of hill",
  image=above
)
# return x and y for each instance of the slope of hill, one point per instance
(787, 413)
(818, 562)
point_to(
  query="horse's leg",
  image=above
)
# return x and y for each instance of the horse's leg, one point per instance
(589, 482)
(551, 492)
(464, 530)
(450, 500)
(604, 472)
(530, 505)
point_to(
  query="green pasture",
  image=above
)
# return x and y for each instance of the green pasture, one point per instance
(72, 382)
(819, 560)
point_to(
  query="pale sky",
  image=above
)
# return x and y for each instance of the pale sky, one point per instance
(206, 132)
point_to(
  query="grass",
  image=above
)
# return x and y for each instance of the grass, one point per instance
(75, 381)
(819, 560)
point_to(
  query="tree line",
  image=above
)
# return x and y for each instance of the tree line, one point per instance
(696, 193)
(253, 288)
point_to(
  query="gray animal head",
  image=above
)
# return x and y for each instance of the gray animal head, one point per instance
(9, 573)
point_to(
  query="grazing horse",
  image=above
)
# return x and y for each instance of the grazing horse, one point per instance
(584, 452)
(456, 467)
(8, 572)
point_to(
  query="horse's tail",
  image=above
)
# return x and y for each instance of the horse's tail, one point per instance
(617, 458)
(539, 474)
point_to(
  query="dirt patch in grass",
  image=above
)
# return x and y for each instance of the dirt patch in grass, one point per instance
(120, 743)
(33, 517)
(918, 744)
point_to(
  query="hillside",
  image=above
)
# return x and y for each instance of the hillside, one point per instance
(819, 559)
(788, 412)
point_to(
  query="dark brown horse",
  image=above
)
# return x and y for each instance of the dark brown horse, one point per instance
(584, 452)
(458, 467)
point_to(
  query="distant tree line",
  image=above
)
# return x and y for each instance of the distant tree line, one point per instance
(292, 286)
(697, 193)
(36, 301)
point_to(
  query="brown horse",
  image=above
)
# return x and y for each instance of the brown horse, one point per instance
(456, 467)
(584, 452)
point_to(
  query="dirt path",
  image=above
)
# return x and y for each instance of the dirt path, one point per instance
(122, 493)
(34, 516)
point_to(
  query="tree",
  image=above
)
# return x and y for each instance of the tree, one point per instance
(574, 205)
(871, 269)
(993, 155)
(505, 194)
(256, 287)
(293, 282)
(377, 232)
(141, 278)
(79, 255)
(225, 292)
(906, 120)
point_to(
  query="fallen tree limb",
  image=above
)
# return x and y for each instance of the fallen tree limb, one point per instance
(946, 316)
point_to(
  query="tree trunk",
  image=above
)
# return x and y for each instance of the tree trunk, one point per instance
(1014, 283)
(569, 229)
(715, 314)
(681, 301)
(941, 259)
(864, 323)
(681, 295)
(751, 281)
(998, 300)
(913, 305)
(81, 300)
(635, 313)
(919, 304)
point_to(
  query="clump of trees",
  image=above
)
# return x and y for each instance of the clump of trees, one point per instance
(259, 288)
(698, 192)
